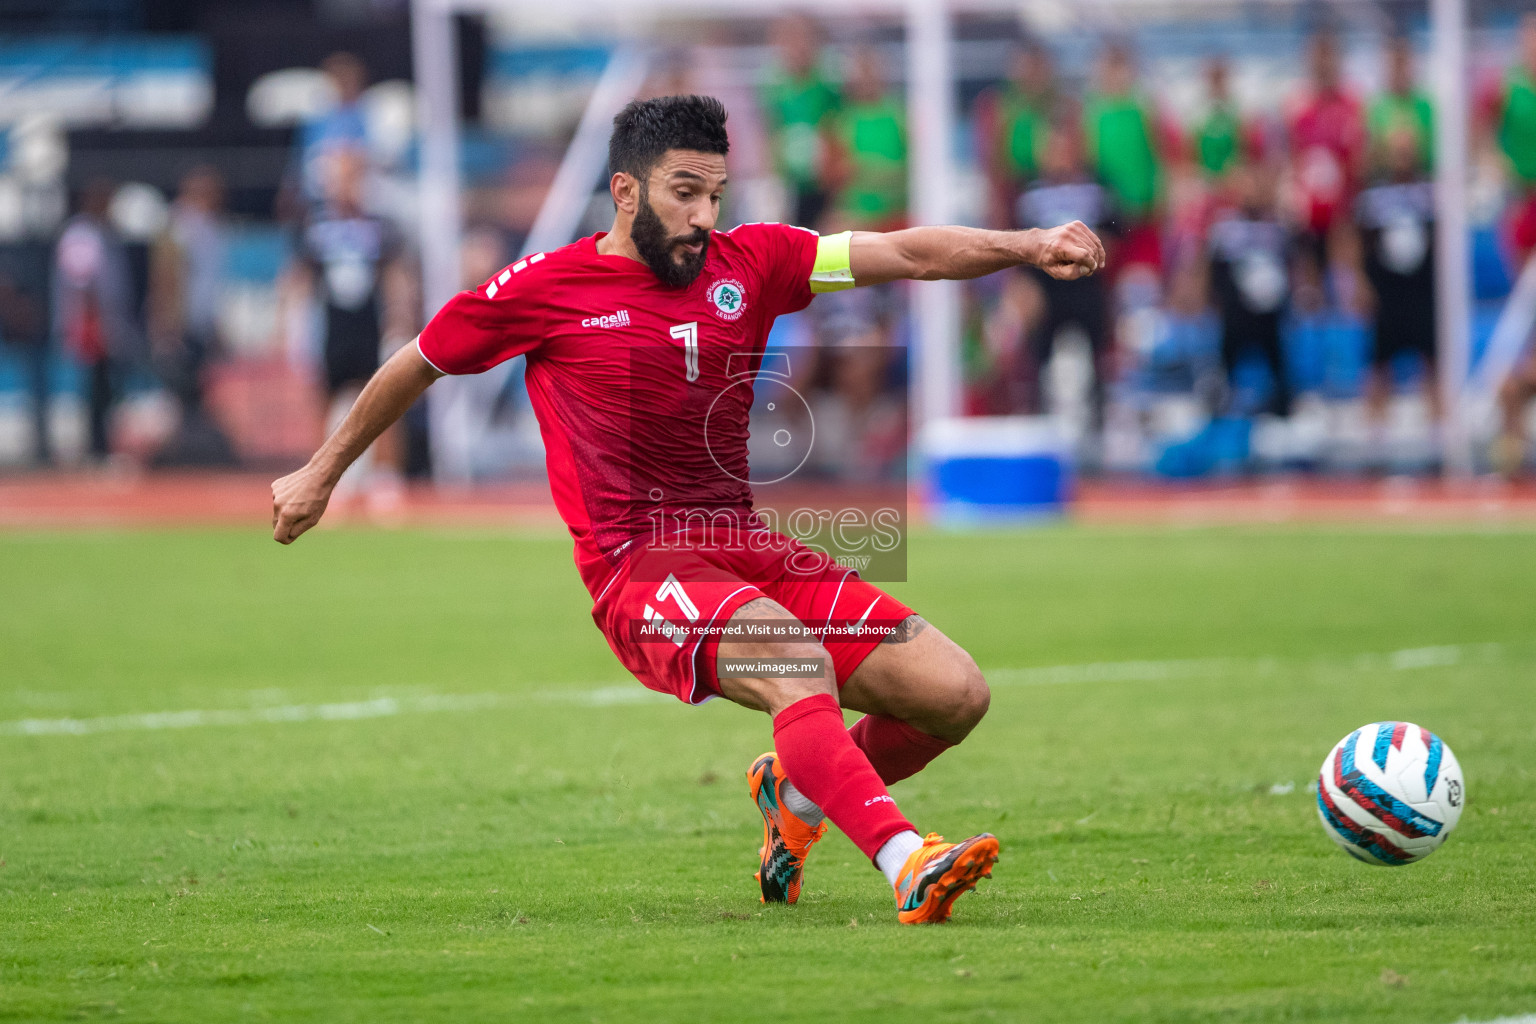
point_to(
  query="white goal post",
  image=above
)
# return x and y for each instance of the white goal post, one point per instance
(936, 306)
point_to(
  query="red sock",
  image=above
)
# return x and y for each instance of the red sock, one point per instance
(895, 750)
(820, 758)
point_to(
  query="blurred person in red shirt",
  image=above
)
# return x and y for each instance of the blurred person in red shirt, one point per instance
(1326, 126)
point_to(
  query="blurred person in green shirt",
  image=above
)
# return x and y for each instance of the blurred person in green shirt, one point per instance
(797, 99)
(868, 155)
(1517, 117)
(1120, 131)
(1221, 142)
(1218, 141)
(1012, 121)
(1403, 107)
(1218, 144)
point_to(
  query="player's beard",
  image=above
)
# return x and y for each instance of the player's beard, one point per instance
(656, 247)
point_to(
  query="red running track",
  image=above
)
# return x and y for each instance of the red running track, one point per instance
(135, 500)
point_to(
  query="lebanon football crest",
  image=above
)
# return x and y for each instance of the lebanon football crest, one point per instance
(729, 298)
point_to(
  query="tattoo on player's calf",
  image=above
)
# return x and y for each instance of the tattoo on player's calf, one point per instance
(910, 627)
(759, 606)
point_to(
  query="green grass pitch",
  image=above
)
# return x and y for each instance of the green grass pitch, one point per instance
(420, 789)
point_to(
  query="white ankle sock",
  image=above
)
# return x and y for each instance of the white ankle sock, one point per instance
(801, 805)
(895, 853)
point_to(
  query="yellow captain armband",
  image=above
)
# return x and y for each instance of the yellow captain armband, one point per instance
(833, 270)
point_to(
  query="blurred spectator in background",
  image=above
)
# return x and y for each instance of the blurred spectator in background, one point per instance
(867, 156)
(1396, 222)
(1250, 253)
(1327, 142)
(349, 257)
(797, 100)
(93, 315)
(1402, 107)
(859, 420)
(1220, 140)
(1036, 307)
(1515, 393)
(24, 329)
(1120, 130)
(861, 423)
(340, 126)
(1012, 122)
(186, 284)
(1517, 138)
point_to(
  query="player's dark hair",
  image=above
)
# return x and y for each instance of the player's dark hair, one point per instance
(646, 129)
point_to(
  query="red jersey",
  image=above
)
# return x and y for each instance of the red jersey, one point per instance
(1327, 142)
(632, 381)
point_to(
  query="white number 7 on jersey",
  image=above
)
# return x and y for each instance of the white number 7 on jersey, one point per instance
(690, 335)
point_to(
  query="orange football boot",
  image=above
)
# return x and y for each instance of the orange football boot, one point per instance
(786, 838)
(940, 873)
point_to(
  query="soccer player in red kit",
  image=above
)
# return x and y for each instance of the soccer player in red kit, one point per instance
(634, 339)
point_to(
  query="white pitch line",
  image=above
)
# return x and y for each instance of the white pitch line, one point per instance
(379, 707)
(1404, 660)
(340, 711)
(1115, 671)
(1528, 1018)
(621, 694)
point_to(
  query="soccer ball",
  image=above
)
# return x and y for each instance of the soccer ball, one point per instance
(1390, 793)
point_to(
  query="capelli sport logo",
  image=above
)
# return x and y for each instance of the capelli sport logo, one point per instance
(619, 319)
(729, 298)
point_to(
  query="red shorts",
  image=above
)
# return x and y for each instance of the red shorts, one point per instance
(661, 609)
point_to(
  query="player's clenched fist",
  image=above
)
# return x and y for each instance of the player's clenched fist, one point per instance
(1070, 251)
(298, 502)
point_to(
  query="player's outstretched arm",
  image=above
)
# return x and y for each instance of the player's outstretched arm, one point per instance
(299, 499)
(958, 253)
